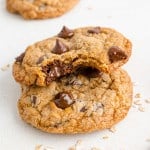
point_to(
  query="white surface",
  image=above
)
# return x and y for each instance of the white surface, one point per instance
(131, 17)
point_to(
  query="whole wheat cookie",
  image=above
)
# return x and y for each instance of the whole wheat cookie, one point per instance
(40, 9)
(84, 101)
(45, 61)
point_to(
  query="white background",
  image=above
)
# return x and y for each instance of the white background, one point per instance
(130, 17)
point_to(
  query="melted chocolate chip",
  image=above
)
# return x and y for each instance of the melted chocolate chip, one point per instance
(40, 59)
(90, 72)
(95, 30)
(66, 33)
(52, 72)
(20, 58)
(56, 70)
(63, 100)
(116, 54)
(60, 47)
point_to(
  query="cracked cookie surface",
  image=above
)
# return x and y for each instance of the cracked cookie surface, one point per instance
(84, 101)
(97, 47)
(40, 9)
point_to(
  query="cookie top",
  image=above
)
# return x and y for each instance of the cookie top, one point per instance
(40, 9)
(45, 61)
(85, 101)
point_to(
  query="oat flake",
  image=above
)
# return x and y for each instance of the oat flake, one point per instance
(137, 102)
(138, 95)
(4, 68)
(76, 145)
(112, 129)
(147, 101)
(141, 108)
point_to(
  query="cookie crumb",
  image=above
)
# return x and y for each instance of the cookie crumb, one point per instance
(112, 129)
(147, 101)
(135, 83)
(137, 102)
(6, 67)
(133, 106)
(78, 142)
(138, 95)
(105, 137)
(141, 108)
(41, 147)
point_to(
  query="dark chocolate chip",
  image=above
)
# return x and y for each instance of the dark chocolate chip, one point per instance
(60, 47)
(66, 32)
(56, 70)
(63, 100)
(20, 58)
(83, 109)
(40, 59)
(95, 30)
(90, 72)
(116, 54)
(34, 100)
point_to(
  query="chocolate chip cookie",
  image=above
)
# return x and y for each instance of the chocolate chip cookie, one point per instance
(40, 9)
(50, 59)
(84, 101)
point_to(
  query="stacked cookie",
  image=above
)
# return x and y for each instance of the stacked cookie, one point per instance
(73, 83)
